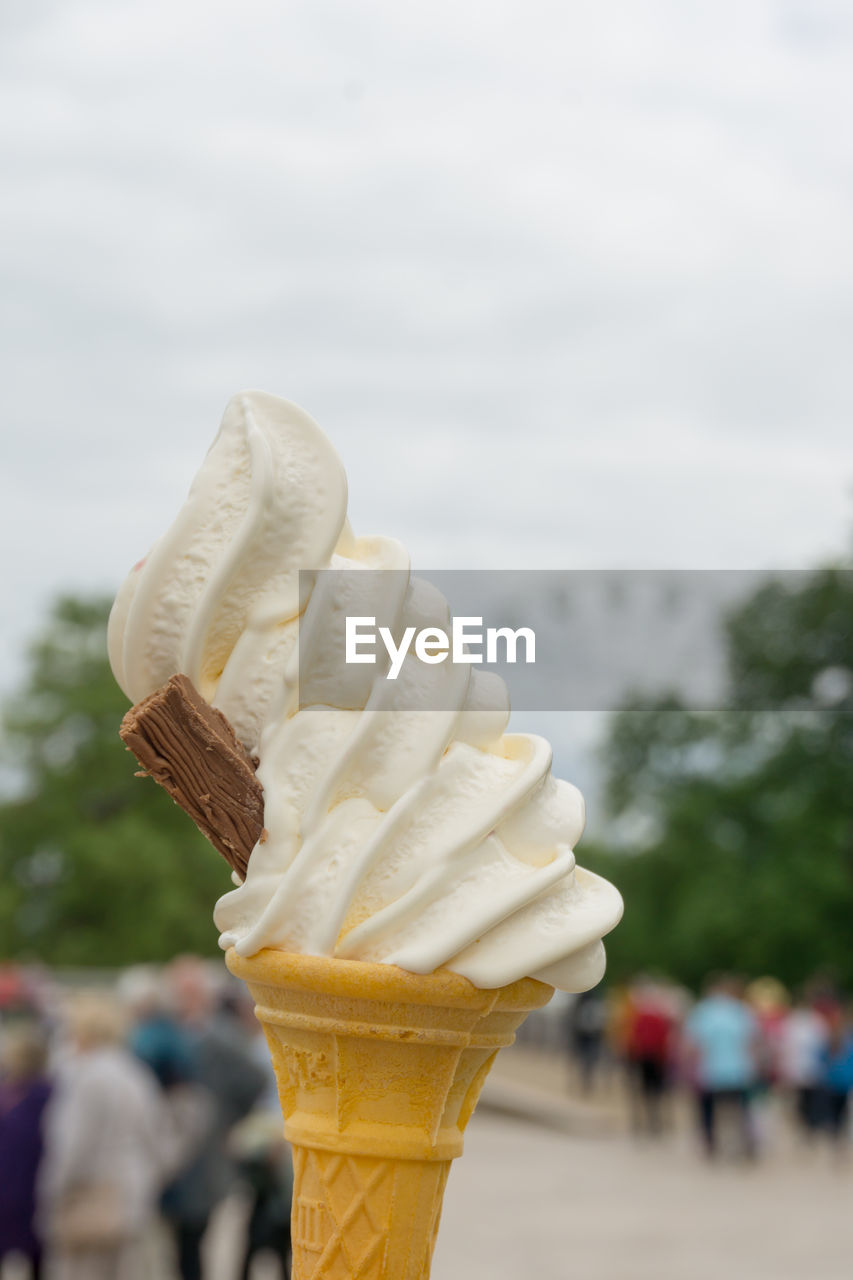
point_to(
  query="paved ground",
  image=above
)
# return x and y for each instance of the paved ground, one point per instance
(552, 1188)
(528, 1202)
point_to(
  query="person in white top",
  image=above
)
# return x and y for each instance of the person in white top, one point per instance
(801, 1044)
(104, 1143)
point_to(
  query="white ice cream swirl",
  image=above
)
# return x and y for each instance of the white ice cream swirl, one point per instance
(422, 838)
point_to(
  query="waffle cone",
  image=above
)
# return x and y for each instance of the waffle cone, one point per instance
(378, 1073)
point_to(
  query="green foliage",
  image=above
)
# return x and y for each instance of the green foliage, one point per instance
(97, 866)
(746, 856)
(740, 823)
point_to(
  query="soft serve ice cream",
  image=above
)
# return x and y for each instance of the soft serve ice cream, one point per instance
(402, 823)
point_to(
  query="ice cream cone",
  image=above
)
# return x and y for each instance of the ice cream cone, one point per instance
(378, 1073)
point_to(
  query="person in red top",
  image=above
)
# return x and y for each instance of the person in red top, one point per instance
(648, 1051)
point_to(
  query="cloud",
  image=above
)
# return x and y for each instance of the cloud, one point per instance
(566, 284)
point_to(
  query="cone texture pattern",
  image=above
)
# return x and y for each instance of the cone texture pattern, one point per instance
(378, 1073)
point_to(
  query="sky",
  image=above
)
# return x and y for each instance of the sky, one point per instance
(566, 284)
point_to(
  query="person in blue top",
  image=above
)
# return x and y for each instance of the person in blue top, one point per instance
(837, 1079)
(722, 1039)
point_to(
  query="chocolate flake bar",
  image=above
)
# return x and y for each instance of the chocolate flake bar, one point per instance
(191, 749)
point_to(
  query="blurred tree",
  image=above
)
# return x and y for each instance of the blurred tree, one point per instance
(743, 819)
(97, 866)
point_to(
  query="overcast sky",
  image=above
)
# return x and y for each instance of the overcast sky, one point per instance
(567, 284)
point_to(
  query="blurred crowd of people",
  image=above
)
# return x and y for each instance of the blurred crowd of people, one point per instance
(128, 1114)
(735, 1048)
